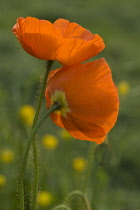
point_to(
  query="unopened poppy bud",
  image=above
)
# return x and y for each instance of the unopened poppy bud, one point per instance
(103, 154)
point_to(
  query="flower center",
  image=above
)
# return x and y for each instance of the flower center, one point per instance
(60, 97)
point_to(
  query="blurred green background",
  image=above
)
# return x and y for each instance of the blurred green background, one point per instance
(115, 184)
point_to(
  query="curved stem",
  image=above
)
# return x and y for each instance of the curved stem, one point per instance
(36, 164)
(81, 195)
(62, 207)
(53, 108)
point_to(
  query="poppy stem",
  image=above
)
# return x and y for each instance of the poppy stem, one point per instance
(49, 64)
(46, 114)
(35, 155)
(36, 176)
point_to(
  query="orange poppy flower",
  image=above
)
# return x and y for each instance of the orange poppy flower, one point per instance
(88, 98)
(68, 43)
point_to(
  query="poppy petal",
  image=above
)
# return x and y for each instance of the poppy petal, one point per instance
(56, 118)
(90, 92)
(83, 130)
(74, 51)
(38, 37)
(68, 43)
(104, 99)
(79, 131)
(73, 30)
(80, 44)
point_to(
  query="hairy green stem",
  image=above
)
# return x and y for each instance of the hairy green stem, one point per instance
(81, 195)
(35, 154)
(49, 64)
(53, 108)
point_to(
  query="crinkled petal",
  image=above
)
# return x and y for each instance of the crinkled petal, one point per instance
(74, 51)
(68, 43)
(38, 37)
(90, 92)
(73, 30)
(80, 44)
(80, 130)
(83, 130)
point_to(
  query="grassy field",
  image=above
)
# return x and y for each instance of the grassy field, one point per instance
(115, 177)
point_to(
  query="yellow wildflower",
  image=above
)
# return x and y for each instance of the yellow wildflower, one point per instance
(50, 142)
(7, 155)
(44, 198)
(79, 164)
(123, 88)
(2, 180)
(26, 114)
